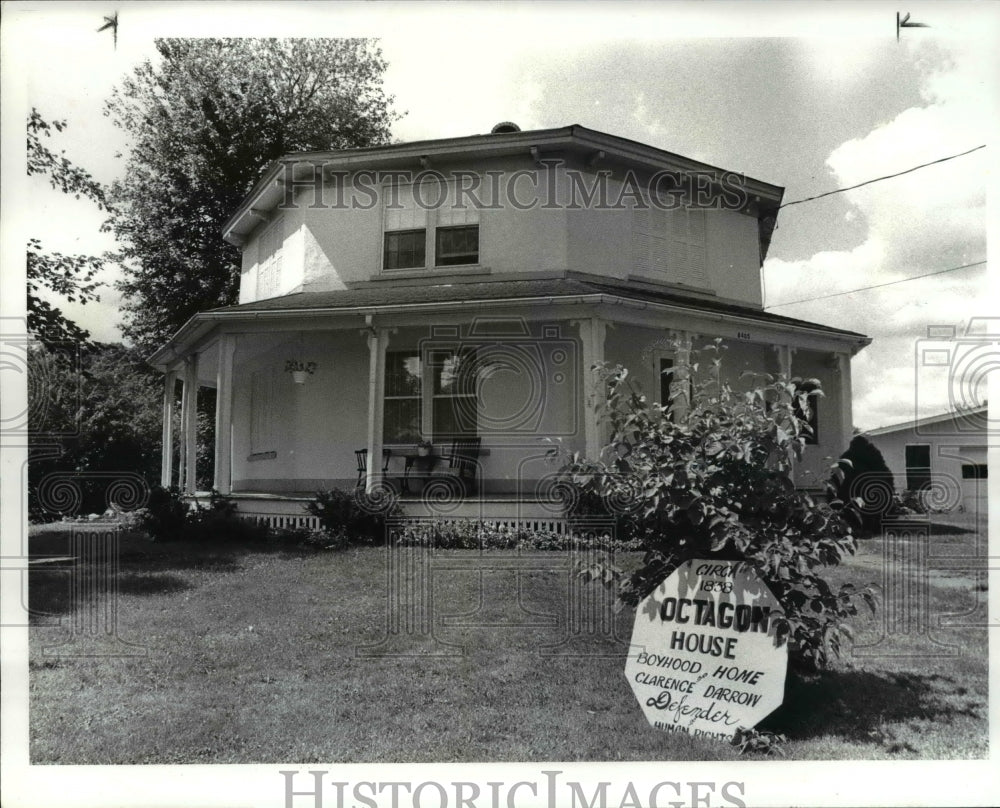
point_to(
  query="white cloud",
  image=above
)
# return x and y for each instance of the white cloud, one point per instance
(925, 221)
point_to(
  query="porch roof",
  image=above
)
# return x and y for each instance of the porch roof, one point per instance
(382, 297)
(472, 291)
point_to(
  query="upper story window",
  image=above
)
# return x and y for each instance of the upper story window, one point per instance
(457, 245)
(424, 227)
(405, 249)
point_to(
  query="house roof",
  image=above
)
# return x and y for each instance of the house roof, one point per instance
(384, 297)
(269, 190)
(975, 414)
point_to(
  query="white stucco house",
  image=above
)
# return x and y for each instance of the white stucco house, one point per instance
(942, 455)
(461, 289)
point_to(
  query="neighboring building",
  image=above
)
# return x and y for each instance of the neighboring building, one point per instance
(396, 319)
(942, 455)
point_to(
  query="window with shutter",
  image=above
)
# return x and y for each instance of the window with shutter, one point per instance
(670, 244)
(688, 258)
(262, 421)
(269, 248)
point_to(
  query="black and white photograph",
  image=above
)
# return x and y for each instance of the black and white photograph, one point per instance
(498, 404)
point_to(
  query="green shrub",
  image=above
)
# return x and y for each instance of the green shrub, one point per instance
(219, 522)
(468, 534)
(301, 538)
(587, 505)
(909, 502)
(362, 517)
(760, 741)
(713, 481)
(165, 514)
(167, 517)
(866, 480)
(327, 540)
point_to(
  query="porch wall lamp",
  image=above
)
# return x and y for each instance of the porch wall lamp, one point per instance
(300, 370)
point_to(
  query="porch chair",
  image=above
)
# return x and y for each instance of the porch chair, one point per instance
(362, 457)
(463, 464)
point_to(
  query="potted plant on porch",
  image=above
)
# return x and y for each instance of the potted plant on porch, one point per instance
(299, 370)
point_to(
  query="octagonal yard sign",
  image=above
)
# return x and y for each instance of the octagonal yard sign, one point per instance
(704, 659)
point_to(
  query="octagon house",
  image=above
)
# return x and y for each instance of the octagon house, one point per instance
(440, 305)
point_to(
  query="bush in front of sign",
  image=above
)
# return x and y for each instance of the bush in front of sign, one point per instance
(708, 475)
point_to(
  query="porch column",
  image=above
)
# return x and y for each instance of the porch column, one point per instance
(682, 369)
(167, 440)
(378, 341)
(224, 415)
(189, 424)
(784, 359)
(843, 367)
(592, 333)
(182, 442)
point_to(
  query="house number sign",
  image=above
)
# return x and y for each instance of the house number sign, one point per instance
(704, 659)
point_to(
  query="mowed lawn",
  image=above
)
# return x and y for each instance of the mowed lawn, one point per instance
(228, 655)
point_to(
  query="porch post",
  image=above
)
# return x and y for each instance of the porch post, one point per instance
(167, 441)
(378, 341)
(682, 367)
(224, 415)
(784, 359)
(843, 360)
(189, 421)
(592, 333)
(182, 442)
(785, 369)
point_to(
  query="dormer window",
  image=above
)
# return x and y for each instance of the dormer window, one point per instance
(425, 228)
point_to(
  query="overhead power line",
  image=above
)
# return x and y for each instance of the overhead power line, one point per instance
(876, 286)
(879, 179)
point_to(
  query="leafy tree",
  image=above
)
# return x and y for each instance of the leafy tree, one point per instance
(712, 480)
(71, 276)
(866, 480)
(203, 122)
(104, 413)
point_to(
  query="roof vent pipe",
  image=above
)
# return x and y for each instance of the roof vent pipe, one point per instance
(505, 128)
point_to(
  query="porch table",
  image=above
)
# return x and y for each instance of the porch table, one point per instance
(421, 467)
(424, 465)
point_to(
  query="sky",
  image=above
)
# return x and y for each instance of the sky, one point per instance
(809, 97)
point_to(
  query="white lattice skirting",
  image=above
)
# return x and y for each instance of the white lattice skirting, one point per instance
(282, 521)
(555, 525)
(306, 522)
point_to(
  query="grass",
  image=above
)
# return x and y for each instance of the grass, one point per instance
(252, 656)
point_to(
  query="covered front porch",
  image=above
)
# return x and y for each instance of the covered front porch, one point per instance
(298, 394)
(378, 391)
